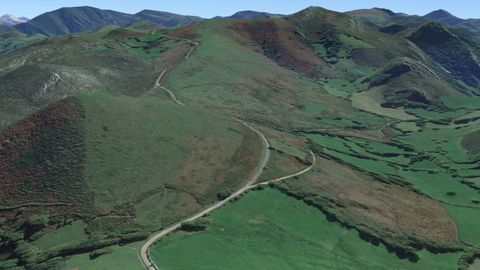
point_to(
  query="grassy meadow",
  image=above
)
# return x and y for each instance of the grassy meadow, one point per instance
(268, 230)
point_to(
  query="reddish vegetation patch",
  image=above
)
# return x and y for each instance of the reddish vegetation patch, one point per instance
(172, 57)
(122, 33)
(20, 140)
(278, 41)
(204, 184)
(186, 32)
(379, 205)
(148, 78)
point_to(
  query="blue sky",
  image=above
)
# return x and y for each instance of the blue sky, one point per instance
(210, 8)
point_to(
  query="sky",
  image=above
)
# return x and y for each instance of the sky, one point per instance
(211, 8)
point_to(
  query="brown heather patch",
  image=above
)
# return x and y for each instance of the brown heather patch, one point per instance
(23, 146)
(378, 205)
(171, 57)
(278, 41)
(148, 80)
(122, 33)
(186, 32)
(207, 154)
(203, 184)
(166, 60)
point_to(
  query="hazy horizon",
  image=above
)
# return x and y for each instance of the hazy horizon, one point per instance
(211, 8)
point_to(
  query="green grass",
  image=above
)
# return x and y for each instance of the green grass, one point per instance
(254, 87)
(288, 149)
(467, 221)
(438, 185)
(13, 43)
(354, 42)
(341, 87)
(407, 126)
(120, 257)
(370, 101)
(99, 48)
(67, 235)
(148, 46)
(267, 230)
(151, 144)
(371, 151)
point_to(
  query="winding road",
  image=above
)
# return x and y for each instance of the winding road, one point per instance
(170, 93)
(150, 265)
(253, 178)
(187, 55)
(250, 184)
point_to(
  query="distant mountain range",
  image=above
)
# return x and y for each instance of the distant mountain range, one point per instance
(10, 20)
(391, 20)
(77, 19)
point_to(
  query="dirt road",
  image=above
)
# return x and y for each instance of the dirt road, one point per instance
(252, 179)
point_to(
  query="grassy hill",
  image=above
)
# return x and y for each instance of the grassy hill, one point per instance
(76, 168)
(115, 60)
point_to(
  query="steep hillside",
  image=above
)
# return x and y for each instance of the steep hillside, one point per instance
(346, 42)
(443, 16)
(4, 30)
(456, 55)
(403, 83)
(75, 164)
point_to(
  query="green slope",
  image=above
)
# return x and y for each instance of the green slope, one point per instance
(267, 230)
(111, 169)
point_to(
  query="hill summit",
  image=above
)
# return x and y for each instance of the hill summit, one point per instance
(443, 16)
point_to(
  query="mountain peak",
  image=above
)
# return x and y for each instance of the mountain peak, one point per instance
(10, 20)
(432, 33)
(439, 13)
(443, 16)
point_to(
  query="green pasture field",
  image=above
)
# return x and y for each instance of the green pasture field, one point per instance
(467, 219)
(118, 257)
(268, 230)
